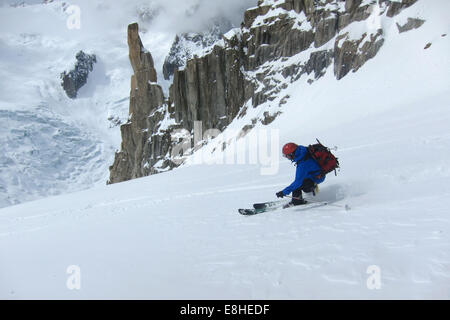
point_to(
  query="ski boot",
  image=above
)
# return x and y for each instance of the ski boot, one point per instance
(296, 201)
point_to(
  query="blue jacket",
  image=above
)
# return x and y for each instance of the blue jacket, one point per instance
(308, 169)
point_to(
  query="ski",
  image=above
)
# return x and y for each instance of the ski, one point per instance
(251, 212)
(272, 206)
(263, 207)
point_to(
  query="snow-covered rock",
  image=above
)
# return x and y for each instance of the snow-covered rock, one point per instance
(187, 45)
(73, 80)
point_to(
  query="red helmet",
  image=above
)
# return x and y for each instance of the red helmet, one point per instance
(289, 150)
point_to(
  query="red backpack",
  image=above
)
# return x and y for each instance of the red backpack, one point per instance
(324, 158)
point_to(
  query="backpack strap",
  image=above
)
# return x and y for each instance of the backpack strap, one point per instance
(306, 157)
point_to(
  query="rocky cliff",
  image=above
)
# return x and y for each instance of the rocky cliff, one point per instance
(140, 146)
(247, 68)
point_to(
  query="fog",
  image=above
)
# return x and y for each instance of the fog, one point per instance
(193, 15)
(172, 16)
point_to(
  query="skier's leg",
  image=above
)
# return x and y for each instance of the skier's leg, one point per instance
(297, 197)
(308, 186)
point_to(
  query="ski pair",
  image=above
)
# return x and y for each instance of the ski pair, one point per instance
(275, 205)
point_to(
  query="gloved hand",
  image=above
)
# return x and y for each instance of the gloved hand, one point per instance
(280, 194)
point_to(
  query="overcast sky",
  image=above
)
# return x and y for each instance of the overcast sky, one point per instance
(174, 15)
(193, 14)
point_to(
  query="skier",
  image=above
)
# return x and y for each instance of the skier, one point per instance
(307, 177)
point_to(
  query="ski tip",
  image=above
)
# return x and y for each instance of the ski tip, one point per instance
(247, 212)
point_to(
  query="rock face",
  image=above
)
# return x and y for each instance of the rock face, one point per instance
(188, 45)
(211, 89)
(73, 80)
(278, 43)
(413, 23)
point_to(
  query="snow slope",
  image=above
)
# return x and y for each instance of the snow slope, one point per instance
(177, 235)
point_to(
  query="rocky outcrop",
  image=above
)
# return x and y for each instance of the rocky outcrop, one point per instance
(351, 54)
(73, 80)
(140, 148)
(412, 23)
(278, 43)
(394, 7)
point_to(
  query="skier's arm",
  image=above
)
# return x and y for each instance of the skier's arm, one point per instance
(300, 175)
